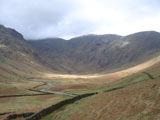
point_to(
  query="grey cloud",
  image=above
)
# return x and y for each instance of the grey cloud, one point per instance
(32, 17)
(66, 18)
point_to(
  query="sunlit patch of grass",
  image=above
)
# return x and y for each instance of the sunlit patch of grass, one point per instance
(133, 79)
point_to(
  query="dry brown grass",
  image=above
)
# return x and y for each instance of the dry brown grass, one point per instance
(82, 82)
(136, 102)
(73, 87)
(98, 79)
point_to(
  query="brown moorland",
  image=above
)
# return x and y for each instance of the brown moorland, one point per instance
(135, 102)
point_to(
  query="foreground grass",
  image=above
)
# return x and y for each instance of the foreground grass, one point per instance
(39, 102)
(66, 111)
(135, 102)
(29, 103)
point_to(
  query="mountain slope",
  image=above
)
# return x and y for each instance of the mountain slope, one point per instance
(81, 55)
(17, 57)
(98, 53)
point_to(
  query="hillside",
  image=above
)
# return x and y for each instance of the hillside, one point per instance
(97, 53)
(136, 102)
(134, 97)
(17, 57)
(81, 55)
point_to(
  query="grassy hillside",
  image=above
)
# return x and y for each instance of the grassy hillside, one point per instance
(135, 97)
(136, 102)
(17, 58)
(18, 64)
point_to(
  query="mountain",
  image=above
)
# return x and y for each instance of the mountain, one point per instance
(17, 57)
(81, 55)
(30, 65)
(97, 53)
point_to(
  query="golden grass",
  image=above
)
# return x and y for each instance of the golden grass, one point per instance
(99, 78)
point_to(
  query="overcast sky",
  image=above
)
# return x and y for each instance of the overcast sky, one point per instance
(67, 18)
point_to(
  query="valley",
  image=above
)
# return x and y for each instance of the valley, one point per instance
(74, 84)
(123, 72)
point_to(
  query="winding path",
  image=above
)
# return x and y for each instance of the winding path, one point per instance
(53, 84)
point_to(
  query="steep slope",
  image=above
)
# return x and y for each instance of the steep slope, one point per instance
(71, 56)
(98, 53)
(52, 53)
(17, 57)
(82, 55)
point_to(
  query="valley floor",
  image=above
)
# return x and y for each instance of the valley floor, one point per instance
(128, 94)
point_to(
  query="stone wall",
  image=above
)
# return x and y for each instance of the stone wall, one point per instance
(5, 96)
(14, 116)
(55, 107)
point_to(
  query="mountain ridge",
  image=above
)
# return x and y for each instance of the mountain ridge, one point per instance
(85, 54)
(94, 52)
(17, 57)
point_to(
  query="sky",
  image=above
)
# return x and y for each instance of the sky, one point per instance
(38, 19)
